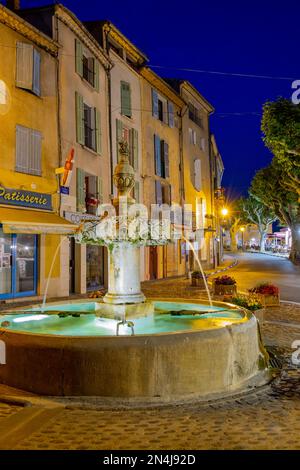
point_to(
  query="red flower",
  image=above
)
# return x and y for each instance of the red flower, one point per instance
(265, 289)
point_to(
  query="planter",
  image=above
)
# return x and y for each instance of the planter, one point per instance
(197, 282)
(224, 289)
(269, 300)
(259, 314)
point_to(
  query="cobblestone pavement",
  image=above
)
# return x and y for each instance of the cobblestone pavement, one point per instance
(265, 418)
(7, 409)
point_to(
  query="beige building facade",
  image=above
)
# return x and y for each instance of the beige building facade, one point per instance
(84, 129)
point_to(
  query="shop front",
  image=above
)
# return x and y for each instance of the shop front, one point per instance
(24, 218)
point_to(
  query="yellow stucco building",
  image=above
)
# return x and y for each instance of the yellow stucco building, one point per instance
(30, 229)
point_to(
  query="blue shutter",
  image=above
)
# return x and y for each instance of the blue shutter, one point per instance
(171, 114)
(166, 160)
(36, 86)
(98, 134)
(155, 112)
(24, 68)
(126, 99)
(158, 192)
(79, 118)
(157, 155)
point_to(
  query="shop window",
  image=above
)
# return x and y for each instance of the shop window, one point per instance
(18, 265)
(94, 267)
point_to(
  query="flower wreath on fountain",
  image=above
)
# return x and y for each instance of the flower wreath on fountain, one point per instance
(135, 230)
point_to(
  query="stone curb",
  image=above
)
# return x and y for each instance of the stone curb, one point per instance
(232, 265)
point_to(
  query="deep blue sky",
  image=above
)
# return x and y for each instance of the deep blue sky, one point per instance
(250, 37)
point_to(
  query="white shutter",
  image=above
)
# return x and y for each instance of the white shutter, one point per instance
(197, 174)
(36, 87)
(24, 72)
(22, 148)
(35, 156)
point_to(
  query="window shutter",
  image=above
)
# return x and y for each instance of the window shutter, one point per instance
(135, 149)
(35, 154)
(158, 192)
(171, 114)
(157, 155)
(137, 191)
(80, 190)
(22, 148)
(166, 160)
(155, 111)
(98, 133)
(126, 99)
(79, 118)
(79, 57)
(97, 75)
(119, 134)
(24, 72)
(36, 88)
(197, 174)
(100, 189)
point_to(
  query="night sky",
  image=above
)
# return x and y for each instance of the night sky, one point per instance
(246, 37)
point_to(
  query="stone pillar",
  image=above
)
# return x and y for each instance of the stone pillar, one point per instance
(124, 285)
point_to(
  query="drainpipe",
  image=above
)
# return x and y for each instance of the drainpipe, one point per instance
(58, 104)
(108, 74)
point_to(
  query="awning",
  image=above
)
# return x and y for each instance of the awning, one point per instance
(34, 222)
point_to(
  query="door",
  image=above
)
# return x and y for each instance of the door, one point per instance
(18, 265)
(153, 262)
(72, 266)
(94, 267)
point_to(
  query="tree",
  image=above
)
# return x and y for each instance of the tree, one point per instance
(267, 188)
(236, 220)
(255, 212)
(281, 129)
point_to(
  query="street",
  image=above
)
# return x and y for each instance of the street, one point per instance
(254, 268)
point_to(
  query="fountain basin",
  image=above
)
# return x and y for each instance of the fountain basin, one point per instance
(212, 354)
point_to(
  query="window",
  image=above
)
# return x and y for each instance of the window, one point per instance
(162, 193)
(161, 156)
(194, 115)
(131, 136)
(28, 73)
(202, 144)
(88, 125)
(28, 151)
(89, 192)
(197, 174)
(126, 99)
(87, 66)
(162, 109)
(192, 136)
(89, 69)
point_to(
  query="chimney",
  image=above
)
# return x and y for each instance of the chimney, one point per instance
(13, 4)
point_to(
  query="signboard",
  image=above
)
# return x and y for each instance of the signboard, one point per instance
(20, 198)
(76, 217)
(64, 190)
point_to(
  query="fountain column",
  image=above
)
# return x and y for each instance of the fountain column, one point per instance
(124, 285)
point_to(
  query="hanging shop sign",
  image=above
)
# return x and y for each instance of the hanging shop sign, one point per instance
(20, 198)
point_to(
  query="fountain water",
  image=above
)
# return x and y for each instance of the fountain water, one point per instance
(125, 346)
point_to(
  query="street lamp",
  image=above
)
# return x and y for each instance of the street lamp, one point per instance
(224, 211)
(242, 230)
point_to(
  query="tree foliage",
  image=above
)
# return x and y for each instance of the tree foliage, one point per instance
(255, 212)
(281, 134)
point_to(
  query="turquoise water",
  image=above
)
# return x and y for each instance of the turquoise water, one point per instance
(90, 323)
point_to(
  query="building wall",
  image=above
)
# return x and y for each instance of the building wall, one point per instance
(86, 159)
(169, 263)
(21, 107)
(191, 152)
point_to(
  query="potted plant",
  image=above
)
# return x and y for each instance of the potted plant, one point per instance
(268, 294)
(224, 285)
(250, 302)
(197, 279)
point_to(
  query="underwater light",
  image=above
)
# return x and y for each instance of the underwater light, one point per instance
(30, 318)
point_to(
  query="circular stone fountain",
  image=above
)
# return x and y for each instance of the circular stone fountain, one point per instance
(125, 346)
